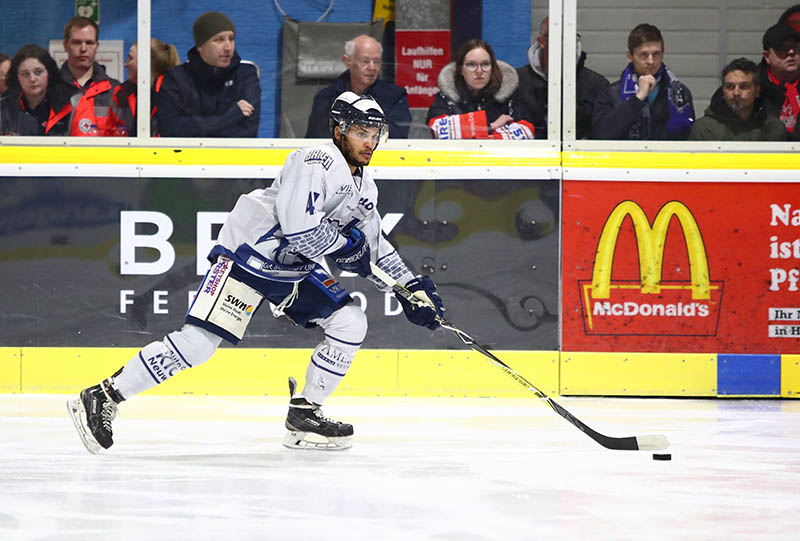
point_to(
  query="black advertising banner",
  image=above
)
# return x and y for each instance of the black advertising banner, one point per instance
(114, 262)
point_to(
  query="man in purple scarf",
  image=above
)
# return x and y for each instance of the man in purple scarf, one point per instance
(648, 102)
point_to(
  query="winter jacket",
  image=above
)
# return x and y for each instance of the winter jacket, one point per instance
(199, 100)
(774, 98)
(393, 100)
(91, 103)
(123, 109)
(51, 117)
(455, 99)
(533, 93)
(722, 124)
(626, 121)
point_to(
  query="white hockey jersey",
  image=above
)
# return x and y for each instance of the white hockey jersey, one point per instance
(284, 231)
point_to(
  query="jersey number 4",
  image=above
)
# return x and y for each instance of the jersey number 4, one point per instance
(312, 198)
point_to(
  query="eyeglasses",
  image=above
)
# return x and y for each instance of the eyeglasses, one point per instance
(473, 66)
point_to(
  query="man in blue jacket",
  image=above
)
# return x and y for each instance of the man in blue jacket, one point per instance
(212, 94)
(648, 102)
(362, 57)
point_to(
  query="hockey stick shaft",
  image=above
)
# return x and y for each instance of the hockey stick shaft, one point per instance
(653, 442)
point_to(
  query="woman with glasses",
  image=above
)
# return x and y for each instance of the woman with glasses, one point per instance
(477, 98)
(37, 102)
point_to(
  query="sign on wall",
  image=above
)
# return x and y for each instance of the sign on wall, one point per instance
(674, 267)
(420, 55)
(116, 261)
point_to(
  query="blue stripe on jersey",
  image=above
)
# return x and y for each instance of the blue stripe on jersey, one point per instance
(148, 369)
(326, 369)
(343, 341)
(176, 350)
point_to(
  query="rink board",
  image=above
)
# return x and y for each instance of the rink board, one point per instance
(424, 373)
(677, 370)
(257, 371)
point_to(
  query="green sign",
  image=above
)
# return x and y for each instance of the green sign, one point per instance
(89, 9)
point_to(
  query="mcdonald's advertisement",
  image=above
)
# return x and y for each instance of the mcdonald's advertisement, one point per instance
(681, 267)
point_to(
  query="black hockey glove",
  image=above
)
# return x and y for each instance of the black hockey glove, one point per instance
(424, 316)
(353, 256)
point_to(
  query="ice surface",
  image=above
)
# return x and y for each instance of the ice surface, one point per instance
(192, 467)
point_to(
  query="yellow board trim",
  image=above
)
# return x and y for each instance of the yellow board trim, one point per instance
(790, 376)
(514, 156)
(10, 367)
(639, 374)
(680, 160)
(257, 371)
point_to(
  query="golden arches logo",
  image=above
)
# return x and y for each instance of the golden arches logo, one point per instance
(650, 241)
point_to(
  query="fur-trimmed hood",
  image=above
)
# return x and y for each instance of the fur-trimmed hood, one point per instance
(447, 82)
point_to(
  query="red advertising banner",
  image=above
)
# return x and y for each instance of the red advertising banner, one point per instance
(681, 267)
(420, 56)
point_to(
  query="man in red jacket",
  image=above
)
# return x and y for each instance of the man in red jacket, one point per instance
(90, 116)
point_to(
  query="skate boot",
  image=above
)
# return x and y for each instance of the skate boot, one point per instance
(92, 413)
(310, 429)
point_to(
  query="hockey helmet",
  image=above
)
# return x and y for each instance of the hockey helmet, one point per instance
(349, 108)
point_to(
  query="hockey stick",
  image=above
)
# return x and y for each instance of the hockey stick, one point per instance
(650, 442)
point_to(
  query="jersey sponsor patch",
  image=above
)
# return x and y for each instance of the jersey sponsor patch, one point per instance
(234, 307)
(321, 157)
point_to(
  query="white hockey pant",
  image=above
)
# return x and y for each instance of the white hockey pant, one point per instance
(158, 361)
(345, 330)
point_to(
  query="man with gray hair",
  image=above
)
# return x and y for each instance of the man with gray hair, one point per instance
(362, 58)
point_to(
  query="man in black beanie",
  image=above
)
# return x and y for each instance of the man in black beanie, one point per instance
(214, 93)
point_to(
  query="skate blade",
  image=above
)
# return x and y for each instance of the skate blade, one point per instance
(78, 414)
(308, 440)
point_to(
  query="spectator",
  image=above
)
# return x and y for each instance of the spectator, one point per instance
(37, 102)
(736, 112)
(5, 64)
(779, 75)
(90, 116)
(648, 102)
(533, 86)
(213, 93)
(477, 98)
(792, 17)
(362, 58)
(123, 103)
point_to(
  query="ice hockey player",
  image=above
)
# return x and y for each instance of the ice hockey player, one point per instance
(271, 249)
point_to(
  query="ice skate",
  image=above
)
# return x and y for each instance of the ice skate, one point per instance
(92, 412)
(310, 429)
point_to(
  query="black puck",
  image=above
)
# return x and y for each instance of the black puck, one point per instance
(665, 456)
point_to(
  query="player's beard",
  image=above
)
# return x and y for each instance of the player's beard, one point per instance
(349, 153)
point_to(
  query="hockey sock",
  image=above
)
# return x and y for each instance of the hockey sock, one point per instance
(345, 329)
(329, 364)
(158, 361)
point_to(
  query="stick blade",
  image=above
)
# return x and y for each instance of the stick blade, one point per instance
(652, 442)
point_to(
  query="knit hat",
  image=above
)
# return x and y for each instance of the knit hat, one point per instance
(208, 25)
(777, 34)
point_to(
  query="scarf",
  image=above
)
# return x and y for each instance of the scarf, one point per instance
(681, 112)
(791, 104)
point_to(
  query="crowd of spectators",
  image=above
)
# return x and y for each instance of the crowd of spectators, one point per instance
(214, 93)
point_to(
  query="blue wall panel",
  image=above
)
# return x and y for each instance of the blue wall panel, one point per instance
(748, 374)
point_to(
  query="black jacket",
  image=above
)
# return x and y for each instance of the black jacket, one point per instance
(722, 124)
(393, 100)
(533, 94)
(199, 100)
(625, 121)
(51, 117)
(454, 98)
(774, 98)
